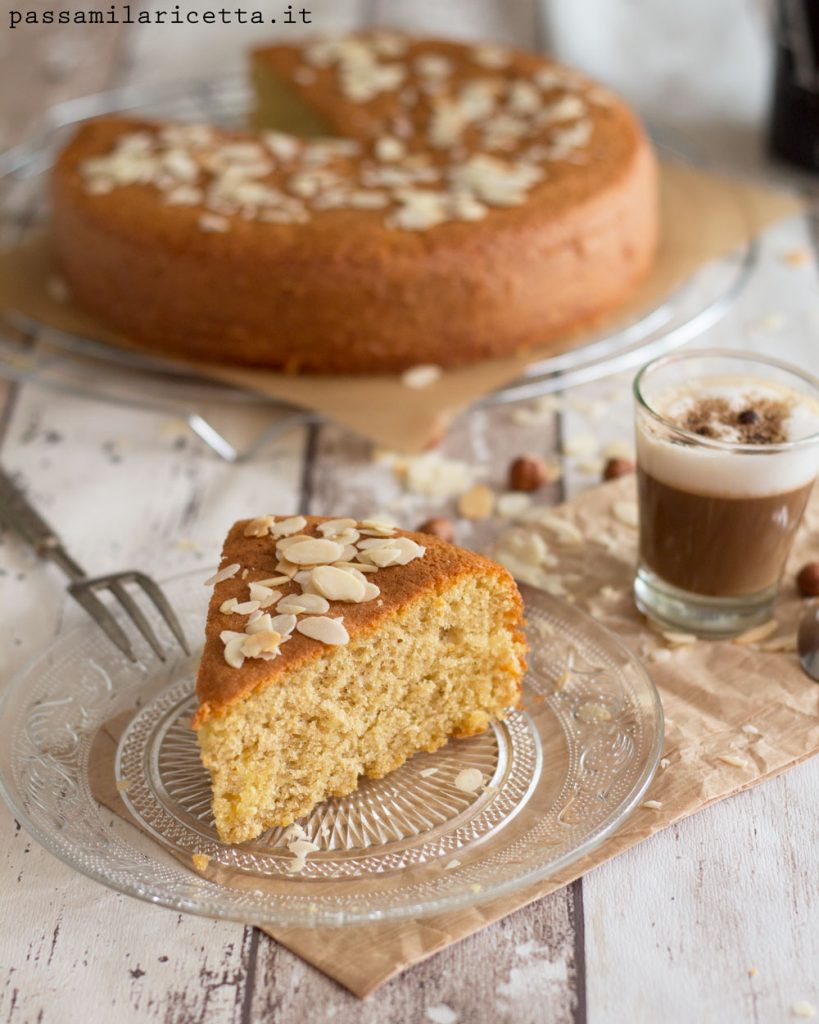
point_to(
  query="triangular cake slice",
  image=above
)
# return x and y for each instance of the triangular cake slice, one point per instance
(337, 648)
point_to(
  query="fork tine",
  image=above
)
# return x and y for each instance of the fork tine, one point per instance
(163, 606)
(133, 611)
(104, 619)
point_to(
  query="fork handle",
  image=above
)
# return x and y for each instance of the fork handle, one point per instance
(17, 512)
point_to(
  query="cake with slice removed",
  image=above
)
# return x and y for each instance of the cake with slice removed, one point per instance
(338, 648)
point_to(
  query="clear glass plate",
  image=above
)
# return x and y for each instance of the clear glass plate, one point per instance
(95, 370)
(559, 776)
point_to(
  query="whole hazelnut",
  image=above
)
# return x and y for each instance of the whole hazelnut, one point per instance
(808, 580)
(615, 468)
(438, 526)
(527, 473)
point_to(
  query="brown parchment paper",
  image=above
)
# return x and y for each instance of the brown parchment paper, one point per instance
(703, 216)
(709, 691)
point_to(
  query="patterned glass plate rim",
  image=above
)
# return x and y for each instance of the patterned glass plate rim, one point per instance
(563, 773)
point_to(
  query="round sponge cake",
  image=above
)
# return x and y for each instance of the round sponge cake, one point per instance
(463, 203)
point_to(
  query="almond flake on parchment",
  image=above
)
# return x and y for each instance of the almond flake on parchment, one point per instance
(476, 503)
(580, 445)
(733, 760)
(756, 634)
(626, 512)
(419, 377)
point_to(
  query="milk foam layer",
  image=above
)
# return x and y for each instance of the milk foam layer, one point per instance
(753, 472)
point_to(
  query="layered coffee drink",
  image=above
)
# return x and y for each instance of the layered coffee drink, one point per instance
(725, 464)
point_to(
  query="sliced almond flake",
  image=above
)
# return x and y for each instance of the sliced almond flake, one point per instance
(337, 585)
(314, 552)
(333, 526)
(553, 584)
(355, 567)
(732, 760)
(283, 624)
(213, 224)
(328, 631)
(253, 617)
(371, 591)
(493, 57)
(384, 525)
(246, 607)
(426, 772)
(561, 680)
(300, 848)
(591, 467)
(757, 634)
(396, 551)
(233, 652)
(618, 450)
(381, 556)
(264, 595)
(371, 543)
(565, 530)
(803, 1008)
(513, 504)
(454, 863)
(389, 149)
(228, 606)
(678, 639)
(780, 644)
(245, 573)
(286, 527)
(469, 780)
(476, 503)
(263, 642)
(230, 634)
(660, 654)
(259, 527)
(286, 567)
(626, 512)
(652, 805)
(593, 713)
(224, 574)
(419, 377)
(284, 542)
(580, 445)
(296, 604)
(264, 624)
(664, 763)
(273, 581)
(751, 730)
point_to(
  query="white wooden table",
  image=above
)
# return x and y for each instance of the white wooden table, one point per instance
(716, 919)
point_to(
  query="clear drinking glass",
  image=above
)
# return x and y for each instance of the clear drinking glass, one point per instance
(727, 453)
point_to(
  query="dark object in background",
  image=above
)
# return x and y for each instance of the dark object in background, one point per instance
(794, 133)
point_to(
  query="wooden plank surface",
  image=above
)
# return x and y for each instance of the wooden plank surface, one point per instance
(671, 931)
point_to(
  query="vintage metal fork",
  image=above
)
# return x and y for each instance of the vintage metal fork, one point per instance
(17, 512)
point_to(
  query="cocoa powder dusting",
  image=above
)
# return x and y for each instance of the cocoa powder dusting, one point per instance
(759, 421)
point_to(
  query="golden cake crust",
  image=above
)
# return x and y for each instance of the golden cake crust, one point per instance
(219, 686)
(278, 295)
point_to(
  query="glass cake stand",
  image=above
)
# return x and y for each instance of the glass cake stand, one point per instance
(31, 352)
(86, 732)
